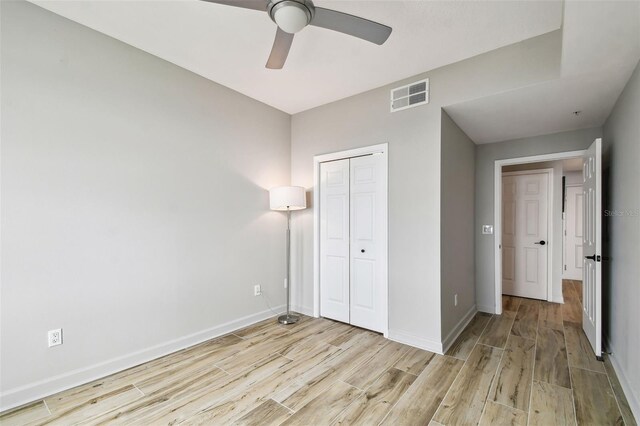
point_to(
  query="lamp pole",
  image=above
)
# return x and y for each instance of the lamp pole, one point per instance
(288, 318)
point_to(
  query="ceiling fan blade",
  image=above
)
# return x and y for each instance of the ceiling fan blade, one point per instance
(352, 25)
(246, 4)
(280, 50)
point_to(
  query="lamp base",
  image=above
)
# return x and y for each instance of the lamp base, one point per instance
(288, 319)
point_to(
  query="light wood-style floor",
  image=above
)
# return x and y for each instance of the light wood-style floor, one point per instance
(531, 365)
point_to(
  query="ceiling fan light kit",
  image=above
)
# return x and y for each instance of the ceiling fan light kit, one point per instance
(291, 16)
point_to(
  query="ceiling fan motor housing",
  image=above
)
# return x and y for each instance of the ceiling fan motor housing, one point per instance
(288, 19)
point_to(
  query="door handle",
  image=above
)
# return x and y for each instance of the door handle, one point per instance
(594, 258)
(541, 242)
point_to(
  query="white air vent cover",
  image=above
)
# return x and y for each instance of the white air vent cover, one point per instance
(409, 96)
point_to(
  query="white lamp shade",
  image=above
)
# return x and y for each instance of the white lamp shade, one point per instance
(288, 198)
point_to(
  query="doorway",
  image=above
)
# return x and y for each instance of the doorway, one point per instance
(572, 219)
(553, 247)
(351, 237)
(527, 205)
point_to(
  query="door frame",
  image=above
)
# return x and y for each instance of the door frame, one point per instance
(550, 181)
(564, 226)
(381, 149)
(497, 215)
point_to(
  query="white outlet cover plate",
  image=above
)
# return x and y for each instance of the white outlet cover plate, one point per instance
(54, 337)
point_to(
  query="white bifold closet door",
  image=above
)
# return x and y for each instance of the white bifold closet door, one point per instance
(353, 226)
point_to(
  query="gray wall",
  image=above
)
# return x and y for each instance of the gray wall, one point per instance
(555, 237)
(622, 277)
(133, 199)
(414, 172)
(485, 162)
(456, 233)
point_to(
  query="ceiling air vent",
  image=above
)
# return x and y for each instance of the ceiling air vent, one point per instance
(410, 96)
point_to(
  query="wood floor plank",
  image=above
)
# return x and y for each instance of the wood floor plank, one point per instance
(350, 337)
(464, 344)
(267, 326)
(550, 315)
(221, 346)
(371, 407)
(267, 413)
(577, 287)
(552, 365)
(579, 350)
(230, 409)
(275, 344)
(572, 308)
(169, 378)
(171, 391)
(299, 348)
(498, 329)
(498, 414)
(421, 400)
(526, 322)
(551, 405)
(25, 414)
(325, 408)
(325, 374)
(625, 409)
(465, 400)
(374, 367)
(510, 303)
(414, 361)
(93, 407)
(228, 388)
(512, 383)
(594, 399)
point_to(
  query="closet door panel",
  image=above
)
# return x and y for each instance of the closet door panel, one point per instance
(334, 240)
(368, 193)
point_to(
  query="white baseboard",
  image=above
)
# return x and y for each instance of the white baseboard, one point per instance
(415, 341)
(453, 335)
(632, 398)
(486, 308)
(34, 391)
(303, 310)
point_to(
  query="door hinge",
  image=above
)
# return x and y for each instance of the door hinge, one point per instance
(565, 267)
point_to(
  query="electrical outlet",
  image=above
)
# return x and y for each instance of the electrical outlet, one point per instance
(455, 300)
(257, 290)
(55, 337)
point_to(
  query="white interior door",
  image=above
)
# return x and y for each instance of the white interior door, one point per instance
(573, 234)
(591, 246)
(368, 242)
(525, 199)
(334, 240)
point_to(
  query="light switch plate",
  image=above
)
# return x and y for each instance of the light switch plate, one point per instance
(487, 229)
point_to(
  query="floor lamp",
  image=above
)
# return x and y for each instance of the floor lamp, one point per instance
(288, 198)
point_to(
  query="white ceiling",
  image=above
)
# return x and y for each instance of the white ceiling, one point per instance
(600, 49)
(541, 109)
(230, 45)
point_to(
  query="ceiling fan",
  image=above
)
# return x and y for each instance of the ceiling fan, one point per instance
(292, 16)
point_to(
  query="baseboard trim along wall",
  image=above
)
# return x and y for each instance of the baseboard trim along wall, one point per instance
(487, 309)
(632, 398)
(304, 310)
(459, 328)
(38, 390)
(415, 341)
